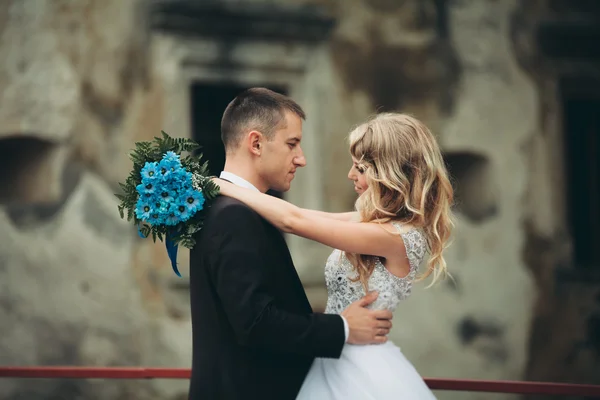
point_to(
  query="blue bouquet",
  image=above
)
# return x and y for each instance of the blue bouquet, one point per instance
(166, 194)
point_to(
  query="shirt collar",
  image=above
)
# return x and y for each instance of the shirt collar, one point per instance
(233, 178)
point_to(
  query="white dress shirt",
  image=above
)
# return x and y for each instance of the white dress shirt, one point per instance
(236, 180)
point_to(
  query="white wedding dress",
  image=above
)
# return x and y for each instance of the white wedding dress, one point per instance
(373, 372)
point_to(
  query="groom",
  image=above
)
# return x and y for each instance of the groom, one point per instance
(254, 332)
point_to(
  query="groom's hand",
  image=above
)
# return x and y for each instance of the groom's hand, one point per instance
(367, 326)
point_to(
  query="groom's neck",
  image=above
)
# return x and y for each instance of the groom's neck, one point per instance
(246, 171)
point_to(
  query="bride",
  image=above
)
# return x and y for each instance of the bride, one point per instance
(403, 212)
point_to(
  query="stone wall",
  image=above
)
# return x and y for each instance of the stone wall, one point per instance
(77, 87)
(564, 341)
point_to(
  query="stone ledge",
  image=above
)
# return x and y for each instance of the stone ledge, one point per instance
(240, 22)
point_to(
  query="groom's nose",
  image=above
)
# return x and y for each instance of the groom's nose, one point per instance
(300, 160)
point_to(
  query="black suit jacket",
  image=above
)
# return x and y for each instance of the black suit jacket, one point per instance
(254, 332)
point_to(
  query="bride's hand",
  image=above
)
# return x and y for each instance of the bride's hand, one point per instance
(223, 185)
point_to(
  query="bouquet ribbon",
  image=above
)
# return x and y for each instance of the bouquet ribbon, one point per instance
(172, 252)
(172, 249)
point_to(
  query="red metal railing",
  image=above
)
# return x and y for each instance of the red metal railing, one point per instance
(516, 387)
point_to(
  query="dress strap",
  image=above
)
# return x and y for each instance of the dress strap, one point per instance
(415, 244)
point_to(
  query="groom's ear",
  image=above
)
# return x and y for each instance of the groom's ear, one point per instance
(255, 140)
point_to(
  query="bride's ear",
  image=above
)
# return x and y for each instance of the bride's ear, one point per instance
(255, 140)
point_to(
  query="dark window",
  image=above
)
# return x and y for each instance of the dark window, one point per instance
(582, 145)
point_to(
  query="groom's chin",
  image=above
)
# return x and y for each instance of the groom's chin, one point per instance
(284, 187)
(279, 189)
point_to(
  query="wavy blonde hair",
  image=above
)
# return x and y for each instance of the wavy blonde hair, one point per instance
(407, 182)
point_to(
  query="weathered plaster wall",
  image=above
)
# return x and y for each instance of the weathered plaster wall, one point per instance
(77, 87)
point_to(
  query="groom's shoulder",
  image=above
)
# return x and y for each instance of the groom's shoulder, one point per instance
(224, 203)
(228, 208)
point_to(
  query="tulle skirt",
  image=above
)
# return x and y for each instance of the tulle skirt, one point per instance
(374, 372)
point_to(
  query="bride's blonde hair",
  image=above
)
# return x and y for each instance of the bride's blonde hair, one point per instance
(407, 182)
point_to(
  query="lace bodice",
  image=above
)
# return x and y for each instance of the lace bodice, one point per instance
(342, 291)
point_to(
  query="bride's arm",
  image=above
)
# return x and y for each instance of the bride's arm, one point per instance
(351, 216)
(362, 238)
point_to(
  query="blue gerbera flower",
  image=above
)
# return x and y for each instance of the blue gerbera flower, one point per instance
(149, 172)
(163, 208)
(166, 194)
(194, 201)
(183, 213)
(155, 218)
(143, 209)
(169, 164)
(172, 158)
(181, 178)
(188, 179)
(177, 183)
(147, 188)
(172, 219)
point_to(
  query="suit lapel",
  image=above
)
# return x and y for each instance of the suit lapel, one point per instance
(282, 247)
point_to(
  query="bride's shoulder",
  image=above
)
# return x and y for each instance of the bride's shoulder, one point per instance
(409, 233)
(402, 227)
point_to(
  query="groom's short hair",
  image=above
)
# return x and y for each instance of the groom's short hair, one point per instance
(257, 109)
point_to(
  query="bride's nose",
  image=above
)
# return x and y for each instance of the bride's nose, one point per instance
(351, 175)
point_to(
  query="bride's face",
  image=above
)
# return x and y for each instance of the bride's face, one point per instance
(357, 175)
